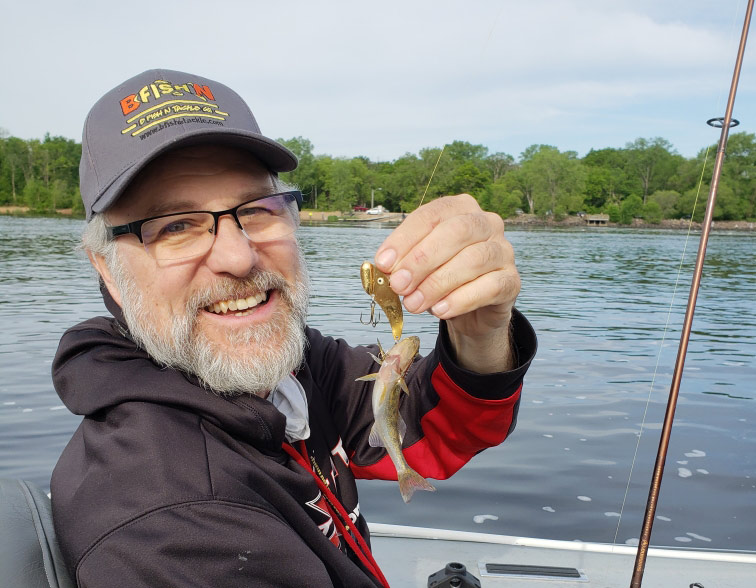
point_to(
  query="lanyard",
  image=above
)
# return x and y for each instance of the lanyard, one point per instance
(340, 517)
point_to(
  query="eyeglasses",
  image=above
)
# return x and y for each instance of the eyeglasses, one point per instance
(182, 235)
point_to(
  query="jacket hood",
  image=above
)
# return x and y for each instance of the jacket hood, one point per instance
(132, 377)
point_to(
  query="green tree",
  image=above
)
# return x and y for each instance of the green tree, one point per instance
(739, 174)
(346, 183)
(689, 172)
(666, 200)
(77, 206)
(402, 182)
(305, 176)
(36, 196)
(653, 161)
(468, 178)
(58, 159)
(630, 208)
(606, 177)
(598, 187)
(499, 164)
(522, 180)
(691, 204)
(37, 173)
(729, 206)
(462, 151)
(431, 184)
(503, 200)
(60, 195)
(338, 185)
(652, 212)
(15, 156)
(463, 167)
(558, 178)
(613, 210)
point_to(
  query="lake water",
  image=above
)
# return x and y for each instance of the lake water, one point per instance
(599, 301)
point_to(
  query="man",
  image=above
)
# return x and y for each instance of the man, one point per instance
(221, 437)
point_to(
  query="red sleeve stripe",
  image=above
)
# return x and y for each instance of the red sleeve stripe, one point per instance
(457, 428)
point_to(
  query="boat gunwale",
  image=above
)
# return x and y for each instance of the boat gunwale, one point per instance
(389, 530)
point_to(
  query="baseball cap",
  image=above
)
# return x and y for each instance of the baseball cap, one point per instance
(157, 111)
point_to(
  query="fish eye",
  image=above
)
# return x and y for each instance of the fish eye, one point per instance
(380, 281)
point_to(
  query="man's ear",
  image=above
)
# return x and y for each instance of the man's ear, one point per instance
(98, 261)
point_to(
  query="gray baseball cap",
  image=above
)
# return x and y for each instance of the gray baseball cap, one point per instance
(157, 111)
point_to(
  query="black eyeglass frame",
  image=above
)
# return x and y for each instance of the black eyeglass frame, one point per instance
(135, 227)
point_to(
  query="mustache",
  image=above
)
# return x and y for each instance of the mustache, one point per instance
(257, 281)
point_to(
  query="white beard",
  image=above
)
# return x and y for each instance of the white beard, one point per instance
(253, 361)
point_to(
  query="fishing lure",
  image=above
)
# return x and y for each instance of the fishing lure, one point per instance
(376, 284)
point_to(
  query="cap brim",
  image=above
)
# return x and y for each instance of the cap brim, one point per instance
(271, 154)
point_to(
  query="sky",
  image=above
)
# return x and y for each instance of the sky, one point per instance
(381, 79)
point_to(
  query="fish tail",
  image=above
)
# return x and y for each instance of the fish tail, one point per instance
(409, 481)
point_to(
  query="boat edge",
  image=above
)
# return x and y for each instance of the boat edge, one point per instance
(408, 532)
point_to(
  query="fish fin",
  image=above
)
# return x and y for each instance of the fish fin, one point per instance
(401, 427)
(409, 481)
(403, 385)
(377, 359)
(381, 352)
(367, 378)
(375, 439)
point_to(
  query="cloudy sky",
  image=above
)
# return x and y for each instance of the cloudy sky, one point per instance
(384, 78)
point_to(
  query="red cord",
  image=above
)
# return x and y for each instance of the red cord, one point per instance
(360, 548)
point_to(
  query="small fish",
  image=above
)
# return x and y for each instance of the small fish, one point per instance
(376, 284)
(389, 427)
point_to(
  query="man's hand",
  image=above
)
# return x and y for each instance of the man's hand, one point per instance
(451, 257)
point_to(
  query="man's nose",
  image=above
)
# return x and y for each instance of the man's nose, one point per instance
(232, 253)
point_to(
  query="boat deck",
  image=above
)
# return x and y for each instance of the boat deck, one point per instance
(408, 555)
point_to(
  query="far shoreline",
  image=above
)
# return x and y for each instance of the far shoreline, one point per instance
(319, 217)
(524, 221)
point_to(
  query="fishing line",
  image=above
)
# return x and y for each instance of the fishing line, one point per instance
(491, 30)
(661, 344)
(483, 50)
(431, 176)
(671, 304)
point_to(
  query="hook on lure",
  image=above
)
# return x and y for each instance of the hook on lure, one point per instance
(375, 317)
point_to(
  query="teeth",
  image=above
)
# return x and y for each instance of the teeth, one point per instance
(240, 304)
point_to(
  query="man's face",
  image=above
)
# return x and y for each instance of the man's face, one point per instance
(175, 308)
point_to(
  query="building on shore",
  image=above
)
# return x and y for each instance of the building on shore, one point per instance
(597, 220)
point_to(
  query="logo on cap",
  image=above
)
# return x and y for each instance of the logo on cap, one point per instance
(172, 104)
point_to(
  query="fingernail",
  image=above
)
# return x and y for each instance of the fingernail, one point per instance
(414, 301)
(400, 280)
(386, 259)
(440, 308)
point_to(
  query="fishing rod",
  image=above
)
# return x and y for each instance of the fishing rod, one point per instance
(653, 496)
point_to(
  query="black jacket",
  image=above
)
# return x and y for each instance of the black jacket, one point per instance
(167, 484)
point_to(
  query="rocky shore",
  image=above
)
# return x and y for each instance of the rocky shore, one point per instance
(531, 220)
(523, 220)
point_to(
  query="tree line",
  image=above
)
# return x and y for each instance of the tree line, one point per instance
(42, 175)
(646, 179)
